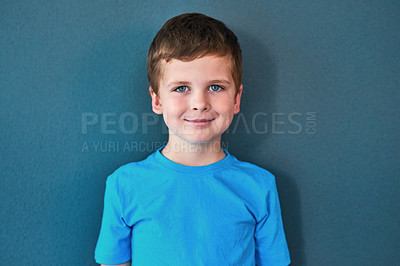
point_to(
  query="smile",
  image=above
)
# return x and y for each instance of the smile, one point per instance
(199, 122)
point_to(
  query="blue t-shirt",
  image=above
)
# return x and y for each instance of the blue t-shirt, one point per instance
(158, 212)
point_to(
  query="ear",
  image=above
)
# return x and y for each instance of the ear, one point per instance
(155, 102)
(237, 100)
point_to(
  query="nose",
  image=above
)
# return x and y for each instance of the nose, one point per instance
(200, 101)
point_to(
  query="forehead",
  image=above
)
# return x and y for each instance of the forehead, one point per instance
(203, 68)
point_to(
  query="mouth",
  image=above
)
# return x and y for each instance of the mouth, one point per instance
(199, 122)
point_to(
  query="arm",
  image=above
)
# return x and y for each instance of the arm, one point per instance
(271, 246)
(128, 263)
(114, 243)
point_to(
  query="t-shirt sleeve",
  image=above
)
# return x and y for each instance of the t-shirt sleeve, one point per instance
(114, 242)
(271, 246)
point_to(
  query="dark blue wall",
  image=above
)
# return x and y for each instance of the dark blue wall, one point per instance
(320, 111)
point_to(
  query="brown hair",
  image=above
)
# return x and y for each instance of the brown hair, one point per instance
(190, 36)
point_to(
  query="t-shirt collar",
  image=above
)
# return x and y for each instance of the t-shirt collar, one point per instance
(167, 164)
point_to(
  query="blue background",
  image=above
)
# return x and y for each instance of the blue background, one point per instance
(320, 111)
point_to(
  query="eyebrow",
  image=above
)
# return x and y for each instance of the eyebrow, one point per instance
(177, 83)
(221, 81)
(185, 83)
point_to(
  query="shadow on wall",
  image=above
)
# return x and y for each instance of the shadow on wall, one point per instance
(259, 82)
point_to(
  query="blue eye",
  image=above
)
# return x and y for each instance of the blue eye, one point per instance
(182, 89)
(215, 88)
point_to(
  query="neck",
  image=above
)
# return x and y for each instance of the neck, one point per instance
(194, 154)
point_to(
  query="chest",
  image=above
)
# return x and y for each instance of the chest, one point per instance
(188, 204)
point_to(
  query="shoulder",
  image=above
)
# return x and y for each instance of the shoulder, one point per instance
(249, 170)
(126, 174)
(254, 183)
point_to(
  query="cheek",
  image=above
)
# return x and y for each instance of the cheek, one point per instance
(226, 112)
(226, 106)
(175, 103)
(169, 120)
(172, 113)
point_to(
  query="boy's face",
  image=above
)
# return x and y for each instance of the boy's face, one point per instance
(197, 99)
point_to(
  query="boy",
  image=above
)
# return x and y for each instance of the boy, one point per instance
(191, 202)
